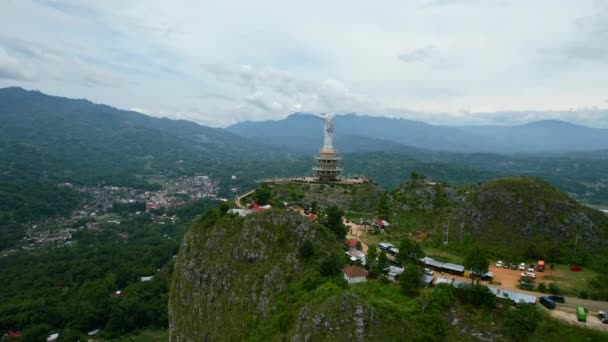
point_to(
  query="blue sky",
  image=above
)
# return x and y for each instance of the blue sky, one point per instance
(451, 62)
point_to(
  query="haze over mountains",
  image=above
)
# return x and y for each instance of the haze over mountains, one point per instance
(299, 131)
(79, 140)
(53, 139)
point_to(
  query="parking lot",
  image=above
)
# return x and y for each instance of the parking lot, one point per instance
(509, 278)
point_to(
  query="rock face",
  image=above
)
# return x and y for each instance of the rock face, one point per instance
(524, 212)
(359, 197)
(508, 215)
(238, 278)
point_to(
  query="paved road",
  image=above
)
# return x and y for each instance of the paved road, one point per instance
(570, 302)
(237, 200)
(592, 305)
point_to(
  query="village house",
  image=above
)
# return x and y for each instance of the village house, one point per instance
(354, 274)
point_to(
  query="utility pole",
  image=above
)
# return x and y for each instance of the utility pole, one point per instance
(446, 233)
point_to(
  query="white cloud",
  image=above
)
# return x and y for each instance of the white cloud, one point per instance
(11, 69)
(222, 62)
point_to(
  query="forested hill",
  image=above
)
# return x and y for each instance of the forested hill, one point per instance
(357, 133)
(78, 140)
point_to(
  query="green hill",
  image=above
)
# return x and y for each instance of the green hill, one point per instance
(252, 279)
(508, 216)
(80, 141)
(247, 279)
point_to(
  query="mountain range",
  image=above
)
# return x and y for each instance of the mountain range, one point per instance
(355, 133)
(60, 138)
(54, 139)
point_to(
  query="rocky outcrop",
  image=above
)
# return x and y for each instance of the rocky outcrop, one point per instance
(507, 215)
(235, 279)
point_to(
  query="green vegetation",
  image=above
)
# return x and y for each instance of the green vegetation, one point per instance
(510, 218)
(73, 289)
(262, 194)
(409, 281)
(334, 221)
(476, 261)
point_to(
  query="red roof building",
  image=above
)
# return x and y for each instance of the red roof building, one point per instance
(352, 243)
(354, 274)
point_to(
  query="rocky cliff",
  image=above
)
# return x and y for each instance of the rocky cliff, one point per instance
(508, 215)
(249, 278)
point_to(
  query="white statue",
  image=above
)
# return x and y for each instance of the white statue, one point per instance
(328, 141)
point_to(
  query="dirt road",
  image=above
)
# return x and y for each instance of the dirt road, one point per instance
(569, 315)
(356, 230)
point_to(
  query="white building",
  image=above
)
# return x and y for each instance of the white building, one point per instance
(354, 274)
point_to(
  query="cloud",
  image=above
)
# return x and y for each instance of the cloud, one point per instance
(588, 44)
(11, 69)
(266, 90)
(420, 54)
(222, 62)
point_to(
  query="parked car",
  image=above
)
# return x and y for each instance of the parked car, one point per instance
(499, 264)
(558, 298)
(531, 270)
(428, 271)
(547, 302)
(540, 266)
(529, 275)
(581, 314)
(603, 316)
(506, 265)
(514, 266)
(522, 266)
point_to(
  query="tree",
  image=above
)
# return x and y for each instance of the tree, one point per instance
(416, 176)
(334, 221)
(554, 289)
(382, 263)
(521, 322)
(307, 249)
(477, 261)
(409, 251)
(409, 280)
(383, 207)
(476, 294)
(371, 262)
(262, 194)
(531, 252)
(597, 286)
(314, 207)
(330, 265)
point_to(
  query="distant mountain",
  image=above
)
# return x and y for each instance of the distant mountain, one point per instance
(544, 136)
(301, 132)
(77, 140)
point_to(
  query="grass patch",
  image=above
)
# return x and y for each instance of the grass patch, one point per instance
(570, 282)
(443, 255)
(146, 336)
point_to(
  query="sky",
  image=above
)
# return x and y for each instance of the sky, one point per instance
(453, 62)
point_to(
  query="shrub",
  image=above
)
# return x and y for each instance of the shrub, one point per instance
(521, 322)
(542, 287)
(478, 295)
(306, 249)
(410, 279)
(330, 265)
(554, 289)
